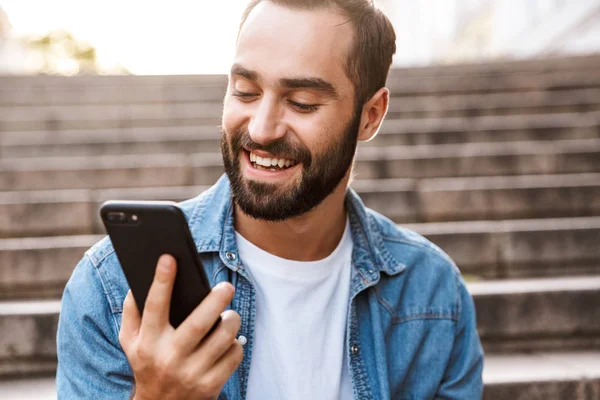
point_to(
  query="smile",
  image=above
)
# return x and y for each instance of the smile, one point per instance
(271, 164)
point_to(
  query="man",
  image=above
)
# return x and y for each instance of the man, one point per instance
(332, 300)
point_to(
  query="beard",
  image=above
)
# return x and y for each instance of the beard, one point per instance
(321, 173)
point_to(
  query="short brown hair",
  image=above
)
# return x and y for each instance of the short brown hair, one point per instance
(369, 59)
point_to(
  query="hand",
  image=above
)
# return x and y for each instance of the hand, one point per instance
(180, 363)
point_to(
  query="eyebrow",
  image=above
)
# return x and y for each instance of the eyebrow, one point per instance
(237, 69)
(318, 84)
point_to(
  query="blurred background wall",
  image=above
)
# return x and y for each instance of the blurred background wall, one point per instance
(149, 38)
(434, 31)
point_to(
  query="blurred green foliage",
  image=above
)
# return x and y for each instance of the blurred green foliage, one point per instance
(59, 52)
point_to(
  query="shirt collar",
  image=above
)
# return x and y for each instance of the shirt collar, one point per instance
(371, 254)
(211, 223)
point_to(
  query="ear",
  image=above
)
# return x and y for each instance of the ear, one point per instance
(372, 114)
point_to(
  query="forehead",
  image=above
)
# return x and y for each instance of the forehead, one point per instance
(278, 42)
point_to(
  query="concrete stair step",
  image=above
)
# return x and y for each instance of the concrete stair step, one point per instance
(94, 142)
(519, 81)
(42, 388)
(498, 128)
(450, 160)
(89, 115)
(479, 159)
(119, 117)
(111, 114)
(508, 320)
(483, 198)
(28, 337)
(38, 267)
(538, 376)
(40, 82)
(518, 248)
(105, 90)
(497, 67)
(174, 102)
(543, 376)
(54, 117)
(202, 138)
(538, 314)
(109, 171)
(510, 103)
(159, 88)
(75, 211)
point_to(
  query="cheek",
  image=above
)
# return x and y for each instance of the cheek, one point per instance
(234, 115)
(319, 136)
(314, 130)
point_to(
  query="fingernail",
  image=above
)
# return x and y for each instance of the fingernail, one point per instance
(223, 286)
(165, 264)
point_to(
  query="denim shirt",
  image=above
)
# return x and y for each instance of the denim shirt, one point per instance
(411, 331)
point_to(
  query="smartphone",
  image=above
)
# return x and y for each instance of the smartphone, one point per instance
(142, 231)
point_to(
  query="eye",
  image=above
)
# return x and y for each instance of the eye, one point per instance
(304, 107)
(243, 95)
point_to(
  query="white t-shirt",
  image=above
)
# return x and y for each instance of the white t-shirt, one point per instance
(299, 349)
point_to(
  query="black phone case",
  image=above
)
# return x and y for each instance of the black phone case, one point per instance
(161, 228)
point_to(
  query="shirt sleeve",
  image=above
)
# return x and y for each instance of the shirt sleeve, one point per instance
(463, 375)
(91, 363)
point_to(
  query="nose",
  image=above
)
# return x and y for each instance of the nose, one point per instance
(265, 125)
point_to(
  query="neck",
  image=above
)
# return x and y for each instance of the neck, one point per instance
(309, 237)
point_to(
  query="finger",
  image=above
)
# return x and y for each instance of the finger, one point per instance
(198, 323)
(156, 308)
(130, 321)
(227, 364)
(218, 343)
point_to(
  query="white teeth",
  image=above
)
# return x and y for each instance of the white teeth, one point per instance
(271, 162)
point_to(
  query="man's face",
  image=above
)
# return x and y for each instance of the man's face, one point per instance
(290, 105)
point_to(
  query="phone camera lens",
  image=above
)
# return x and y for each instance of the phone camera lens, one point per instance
(116, 217)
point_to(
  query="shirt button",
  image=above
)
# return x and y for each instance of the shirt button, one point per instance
(242, 339)
(354, 349)
(230, 256)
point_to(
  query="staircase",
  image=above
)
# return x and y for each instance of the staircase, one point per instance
(498, 164)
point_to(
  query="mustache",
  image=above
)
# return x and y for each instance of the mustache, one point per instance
(280, 148)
